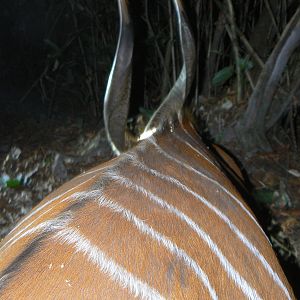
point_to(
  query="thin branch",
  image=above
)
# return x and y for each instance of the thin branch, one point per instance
(243, 39)
(153, 35)
(249, 48)
(269, 9)
(235, 46)
(174, 71)
(35, 83)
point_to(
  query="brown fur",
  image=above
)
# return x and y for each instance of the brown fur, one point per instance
(39, 266)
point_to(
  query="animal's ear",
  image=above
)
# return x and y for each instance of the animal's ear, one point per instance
(116, 100)
(172, 104)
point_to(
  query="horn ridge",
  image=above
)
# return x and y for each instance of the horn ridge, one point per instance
(116, 99)
(173, 103)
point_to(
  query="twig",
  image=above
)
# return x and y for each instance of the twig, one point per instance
(249, 48)
(160, 55)
(267, 4)
(196, 104)
(243, 39)
(35, 83)
(174, 73)
(235, 46)
(87, 72)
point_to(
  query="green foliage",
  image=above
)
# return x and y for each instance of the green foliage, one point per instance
(245, 64)
(13, 183)
(7, 181)
(147, 113)
(222, 76)
(264, 196)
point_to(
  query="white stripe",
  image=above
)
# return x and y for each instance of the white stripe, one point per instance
(37, 209)
(97, 170)
(195, 149)
(108, 266)
(48, 226)
(249, 292)
(4, 278)
(148, 230)
(222, 216)
(188, 134)
(196, 142)
(164, 153)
